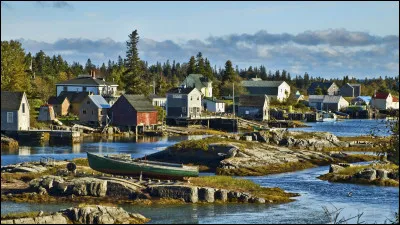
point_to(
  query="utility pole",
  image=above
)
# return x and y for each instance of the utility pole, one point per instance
(233, 100)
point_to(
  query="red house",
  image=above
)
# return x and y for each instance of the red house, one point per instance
(133, 112)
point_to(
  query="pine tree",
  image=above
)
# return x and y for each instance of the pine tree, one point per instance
(229, 74)
(200, 65)
(134, 74)
(89, 66)
(192, 66)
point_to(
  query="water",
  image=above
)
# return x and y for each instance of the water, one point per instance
(351, 127)
(377, 203)
(138, 147)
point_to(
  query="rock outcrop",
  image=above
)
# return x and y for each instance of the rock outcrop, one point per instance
(187, 193)
(84, 215)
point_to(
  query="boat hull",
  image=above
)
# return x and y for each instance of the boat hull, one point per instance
(116, 167)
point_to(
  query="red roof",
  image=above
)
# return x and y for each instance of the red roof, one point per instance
(395, 99)
(381, 95)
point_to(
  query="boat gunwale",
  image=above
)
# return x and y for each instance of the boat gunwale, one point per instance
(185, 168)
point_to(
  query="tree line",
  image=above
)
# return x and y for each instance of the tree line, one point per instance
(37, 74)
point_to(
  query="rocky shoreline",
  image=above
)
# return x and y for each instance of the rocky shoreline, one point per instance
(382, 174)
(8, 143)
(90, 214)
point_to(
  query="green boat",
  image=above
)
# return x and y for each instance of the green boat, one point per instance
(124, 165)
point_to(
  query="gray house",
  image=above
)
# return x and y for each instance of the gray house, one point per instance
(350, 90)
(254, 107)
(94, 110)
(327, 102)
(183, 103)
(327, 88)
(279, 90)
(14, 111)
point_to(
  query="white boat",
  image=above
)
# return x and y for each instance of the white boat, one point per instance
(327, 117)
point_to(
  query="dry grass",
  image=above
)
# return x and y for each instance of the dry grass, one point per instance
(18, 215)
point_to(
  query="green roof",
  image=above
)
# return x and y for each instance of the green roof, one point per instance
(198, 80)
(139, 103)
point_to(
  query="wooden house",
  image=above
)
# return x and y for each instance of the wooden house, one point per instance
(254, 107)
(61, 105)
(94, 110)
(14, 111)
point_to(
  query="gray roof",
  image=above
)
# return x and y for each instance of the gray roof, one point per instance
(252, 100)
(213, 99)
(86, 81)
(99, 101)
(153, 96)
(331, 99)
(322, 85)
(74, 97)
(355, 85)
(53, 100)
(198, 80)
(140, 103)
(11, 100)
(261, 83)
(179, 90)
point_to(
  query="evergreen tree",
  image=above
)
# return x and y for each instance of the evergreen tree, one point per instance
(89, 66)
(134, 75)
(192, 66)
(229, 74)
(200, 65)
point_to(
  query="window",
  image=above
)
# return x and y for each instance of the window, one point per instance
(191, 98)
(92, 112)
(84, 111)
(184, 109)
(9, 117)
(84, 88)
(65, 88)
(23, 107)
(197, 97)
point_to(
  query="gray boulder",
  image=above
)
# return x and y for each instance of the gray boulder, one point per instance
(187, 193)
(120, 189)
(394, 175)
(335, 168)
(381, 174)
(206, 194)
(221, 195)
(368, 174)
(257, 200)
(89, 186)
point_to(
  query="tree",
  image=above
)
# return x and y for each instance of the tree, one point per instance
(134, 75)
(89, 66)
(318, 91)
(13, 75)
(200, 65)
(229, 74)
(192, 66)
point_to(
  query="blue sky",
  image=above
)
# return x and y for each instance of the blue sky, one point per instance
(322, 38)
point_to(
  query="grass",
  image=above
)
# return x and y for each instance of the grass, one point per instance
(207, 131)
(352, 149)
(276, 195)
(81, 162)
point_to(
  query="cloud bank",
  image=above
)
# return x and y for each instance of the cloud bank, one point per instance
(55, 4)
(326, 53)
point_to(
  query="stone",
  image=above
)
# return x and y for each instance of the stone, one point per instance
(335, 168)
(188, 193)
(244, 197)
(42, 191)
(89, 186)
(394, 175)
(381, 174)
(206, 194)
(233, 196)
(121, 189)
(369, 174)
(221, 195)
(257, 200)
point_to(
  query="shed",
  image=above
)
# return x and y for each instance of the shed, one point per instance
(14, 111)
(46, 113)
(61, 105)
(94, 110)
(254, 107)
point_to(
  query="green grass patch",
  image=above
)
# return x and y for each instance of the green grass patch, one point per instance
(277, 195)
(81, 162)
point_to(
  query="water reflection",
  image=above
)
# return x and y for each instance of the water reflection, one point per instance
(24, 150)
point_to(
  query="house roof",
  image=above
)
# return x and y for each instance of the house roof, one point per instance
(74, 97)
(11, 100)
(53, 100)
(85, 80)
(179, 90)
(380, 95)
(213, 99)
(139, 102)
(364, 98)
(316, 98)
(332, 99)
(252, 100)
(322, 85)
(153, 96)
(198, 80)
(261, 83)
(354, 85)
(99, 101)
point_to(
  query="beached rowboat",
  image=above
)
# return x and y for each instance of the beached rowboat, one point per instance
(127, 166)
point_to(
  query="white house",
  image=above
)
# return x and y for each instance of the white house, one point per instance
(213, 105)
(183, 103)
(14, 111)
(200, 82)
(158, 100)
(279, 90)
(88, 83)
(384, 101)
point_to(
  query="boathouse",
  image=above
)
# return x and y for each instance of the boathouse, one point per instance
(14, 111)
(383, 101)
(254, 107)
(46, 113)
(94, 110)
(133, 112)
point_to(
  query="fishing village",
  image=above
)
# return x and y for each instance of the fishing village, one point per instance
(144, 140)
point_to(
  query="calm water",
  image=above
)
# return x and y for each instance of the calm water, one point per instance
(351, 127)
(377, 203)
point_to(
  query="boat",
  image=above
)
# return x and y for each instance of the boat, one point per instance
(124, 165)
(327, 117)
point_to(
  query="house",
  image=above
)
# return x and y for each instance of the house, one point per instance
(46, 113)
(279, 90)
(327, 88)
(183, 103)
(75, 99)
(213, 105)
(383, 101)
(327, 102)
(158, 100)
(350, 90)
(60, 105)
(132, 111)
(254, 107)
(94, 110)
(14, 111)
(361, 100)
(88, 83)
(200, 82)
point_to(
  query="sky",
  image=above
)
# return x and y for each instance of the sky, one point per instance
(327, 39)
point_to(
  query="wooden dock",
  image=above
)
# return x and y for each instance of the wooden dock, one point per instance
(54, 136)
